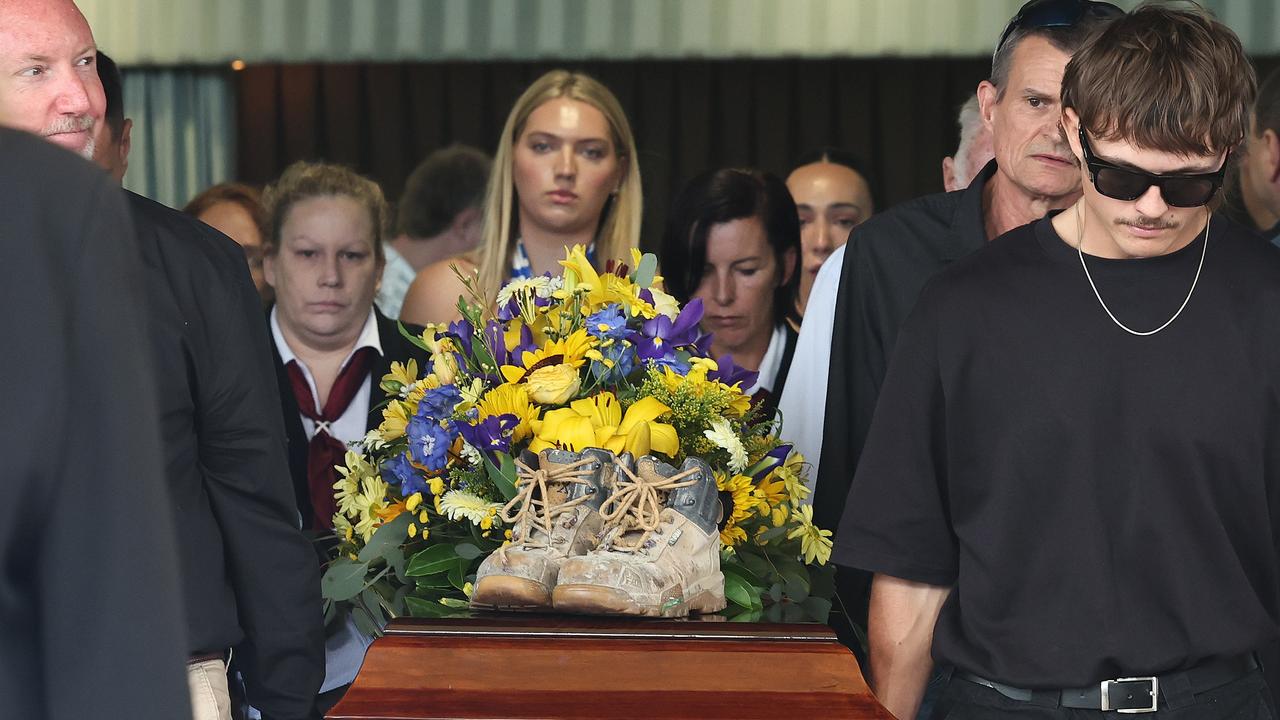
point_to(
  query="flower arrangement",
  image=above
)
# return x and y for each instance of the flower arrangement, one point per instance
(579, 360)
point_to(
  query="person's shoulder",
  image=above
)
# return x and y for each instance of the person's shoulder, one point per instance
(181, 236)
(433, 295)
(918, 230)
(35, 161)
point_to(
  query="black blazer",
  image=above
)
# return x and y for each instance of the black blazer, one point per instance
(249, 574)
(90, 577)
(395, 348)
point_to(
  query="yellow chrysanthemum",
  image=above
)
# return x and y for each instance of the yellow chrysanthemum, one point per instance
(815, 543)
(510, 399)
(347, 488)
(462, 504)
(368, 506)
(745, 503)
(792, 472)
(772, 492)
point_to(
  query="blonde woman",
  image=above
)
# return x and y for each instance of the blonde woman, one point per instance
(564, 173)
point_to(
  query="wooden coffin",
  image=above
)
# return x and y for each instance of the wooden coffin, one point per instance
(552, 666)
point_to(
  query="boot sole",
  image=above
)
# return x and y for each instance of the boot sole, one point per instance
(600, 600)
(500, 592)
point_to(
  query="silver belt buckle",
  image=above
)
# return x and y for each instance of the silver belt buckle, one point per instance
(1155, 694)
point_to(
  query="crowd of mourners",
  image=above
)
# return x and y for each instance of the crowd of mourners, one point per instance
(1040, 409)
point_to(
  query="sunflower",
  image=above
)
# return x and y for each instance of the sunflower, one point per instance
(744, 501)
(510, 399)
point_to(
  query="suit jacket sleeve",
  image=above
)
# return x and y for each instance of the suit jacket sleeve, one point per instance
(112, 639)
(242, 453)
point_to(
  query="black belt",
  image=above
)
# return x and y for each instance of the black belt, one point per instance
(1133, 694)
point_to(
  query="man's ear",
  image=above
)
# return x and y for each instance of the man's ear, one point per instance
(465, 219)
(949, 174)
(1272, 144)
(126, 144)
(1071, 128)
(988, 96)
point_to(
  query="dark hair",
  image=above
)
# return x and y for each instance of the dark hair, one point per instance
(721, 196)
(449, 181)
(1067, 38)
(1266, 111)
(113, 88)
(243, 195)
(839, 156)
(1169, 79)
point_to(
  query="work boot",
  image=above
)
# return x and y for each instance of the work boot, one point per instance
(660, 555)
(555, 515)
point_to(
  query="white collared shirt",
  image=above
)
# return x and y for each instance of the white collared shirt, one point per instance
(351, 426)
(771, 363)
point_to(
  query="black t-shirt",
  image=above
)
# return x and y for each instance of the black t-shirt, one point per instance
(1104, 504)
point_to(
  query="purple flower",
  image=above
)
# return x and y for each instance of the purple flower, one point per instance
(495, 340)
(400, 469)
(461, 331)
(660, 336)
(491, 435)
(728, 373)
(771, 460)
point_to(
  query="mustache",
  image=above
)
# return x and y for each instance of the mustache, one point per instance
(1147, 223)
(69, 124)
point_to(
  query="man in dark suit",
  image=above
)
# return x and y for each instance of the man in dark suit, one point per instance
(249, 577)
(323, 255)
(86, 540)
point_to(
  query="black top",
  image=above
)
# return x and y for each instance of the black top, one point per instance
(250, 576)
(887, 262)
(1104, 504)
(89, 592)
(395, 348)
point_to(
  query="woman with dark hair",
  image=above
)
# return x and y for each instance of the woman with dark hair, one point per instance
(732, 239)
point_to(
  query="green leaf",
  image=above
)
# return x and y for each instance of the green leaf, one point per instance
(467, 551)
(395, 560)
(455, 603)
(390, 535)
(822, 581)
(738, 592)
(437, 581)
(757, 565)
(795, 585)
(817, 608)
(364, 623)
(330, 612)
(415, 339)
(503, 478)
(343, 580)
(775, 592)
(741, 570)
(425, 608)
(772, 533)
(434, 559)
(458, 573)
(646, 270)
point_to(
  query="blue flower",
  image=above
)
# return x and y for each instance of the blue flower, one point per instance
(609, 323)
(429, 443)
(438, 403)
(619, 360)
(400, 469)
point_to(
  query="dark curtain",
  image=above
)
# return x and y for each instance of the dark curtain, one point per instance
(898, 115)
(688, 116)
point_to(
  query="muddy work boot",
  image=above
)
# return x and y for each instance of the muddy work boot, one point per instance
(555, 515)
(660, 555)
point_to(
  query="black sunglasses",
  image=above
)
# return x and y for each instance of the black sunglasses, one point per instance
(1125, 184)
(1055, 13)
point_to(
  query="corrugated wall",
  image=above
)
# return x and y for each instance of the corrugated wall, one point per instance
(172, 32)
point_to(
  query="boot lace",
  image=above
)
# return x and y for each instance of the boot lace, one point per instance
(636, 506)
(532, 509)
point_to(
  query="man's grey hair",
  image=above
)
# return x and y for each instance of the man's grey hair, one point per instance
(970, 123)
(1068, 39)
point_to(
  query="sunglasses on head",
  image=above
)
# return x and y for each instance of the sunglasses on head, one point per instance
(1128, 184)
(1055, 13)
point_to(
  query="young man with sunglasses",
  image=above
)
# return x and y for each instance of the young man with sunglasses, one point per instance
(1074, 468)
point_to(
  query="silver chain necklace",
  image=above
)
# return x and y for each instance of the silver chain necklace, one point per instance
(1080, 252)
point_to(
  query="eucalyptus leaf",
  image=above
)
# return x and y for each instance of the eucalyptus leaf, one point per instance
(458, 573)
(364, 623)
(398, 606)
(772, 533)
(775, 592)
(646, 270)
(343, 580)
(737, 591)
(817, 608)
(330, 612)
(395, 560)
(434, 559)
(795, 585)
(373, 601)
(467, 551)
(390, 535)
(773, 613)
